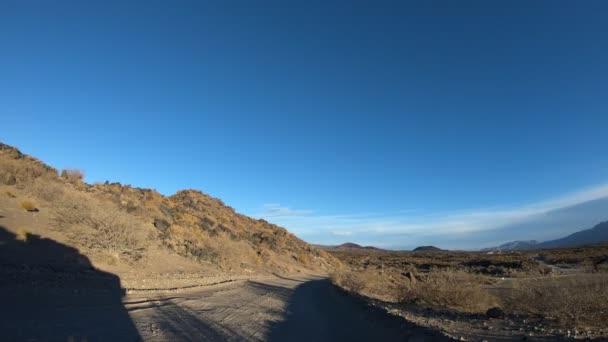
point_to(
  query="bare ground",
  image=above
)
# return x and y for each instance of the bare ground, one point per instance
(276, 309)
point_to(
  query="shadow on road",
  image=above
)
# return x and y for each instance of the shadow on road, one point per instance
(318, 311)
(51, 292)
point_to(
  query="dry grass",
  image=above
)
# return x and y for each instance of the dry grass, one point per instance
(10, 194)
(28, 205)
(441, 289)
(22, 235)
(47, 190)
(19, 170)
(348, 280)
(580, 301)
(450, 289)
(582, 256)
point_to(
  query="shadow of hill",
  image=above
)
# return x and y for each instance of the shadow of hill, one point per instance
(318, 311)
(51, 292)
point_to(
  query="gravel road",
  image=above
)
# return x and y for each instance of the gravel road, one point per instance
(277, 309)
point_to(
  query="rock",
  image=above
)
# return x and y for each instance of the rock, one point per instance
(161, 224)
(495, 312)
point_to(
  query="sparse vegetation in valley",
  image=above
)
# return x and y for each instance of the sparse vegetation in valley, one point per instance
(474, 282)
(575, 301)
(457, 290)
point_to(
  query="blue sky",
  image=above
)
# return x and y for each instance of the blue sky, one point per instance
(386, 123)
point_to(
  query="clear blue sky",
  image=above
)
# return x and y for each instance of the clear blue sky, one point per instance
(377, 122)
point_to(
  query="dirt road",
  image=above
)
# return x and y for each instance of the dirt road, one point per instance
(278, 309)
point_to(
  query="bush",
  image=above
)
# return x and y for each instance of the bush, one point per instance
(113, 234)
(47, 190)
(28, 205)
(99, 226)
(457, 290)
(348, 281)
(576, 300)
(72, 175)
(73, 209)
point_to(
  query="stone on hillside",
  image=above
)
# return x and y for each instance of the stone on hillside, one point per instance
(495, 312)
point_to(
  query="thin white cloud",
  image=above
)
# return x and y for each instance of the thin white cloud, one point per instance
(276, 210)
(370, 228)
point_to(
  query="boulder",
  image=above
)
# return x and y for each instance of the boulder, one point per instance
(161, 224)
(495, 312)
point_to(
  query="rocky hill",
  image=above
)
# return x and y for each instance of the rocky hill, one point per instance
(138, 233)
(348, 246)
(427, 249)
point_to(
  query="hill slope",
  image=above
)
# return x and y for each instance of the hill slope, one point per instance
(138, 233)
(427, 249)
(597, 234)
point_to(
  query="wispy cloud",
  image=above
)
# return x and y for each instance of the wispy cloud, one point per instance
(276, 210)
(341, 233)
(410, 227)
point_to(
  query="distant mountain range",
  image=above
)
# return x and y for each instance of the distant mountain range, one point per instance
(597, 234)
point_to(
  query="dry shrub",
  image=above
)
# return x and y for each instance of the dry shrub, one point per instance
(114, 234)
(23, 172)
(191, 242)
(28, 205)
(73, 209)
(580, 300)
(450, 289)
(99, 226)
(72, 175)
(10, 194)
(348, 280)
(46, 189)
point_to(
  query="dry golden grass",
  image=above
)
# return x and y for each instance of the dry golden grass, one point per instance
(455, 290)
(22, 235)
(450, 289)
(28, 205)
(580, 301)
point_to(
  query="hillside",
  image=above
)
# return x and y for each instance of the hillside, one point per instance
(348, 246)
(140, 234)
(597, 234)
(427, 249)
